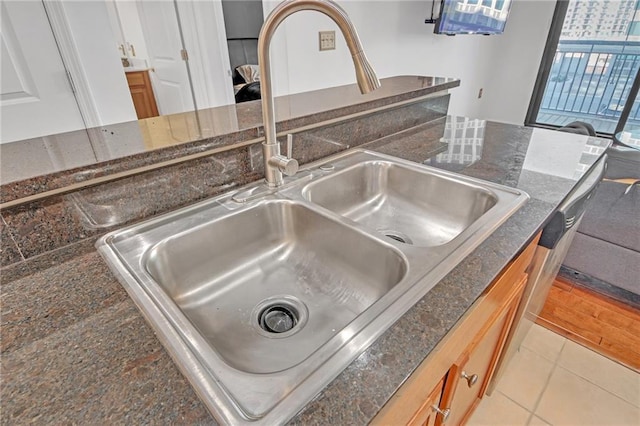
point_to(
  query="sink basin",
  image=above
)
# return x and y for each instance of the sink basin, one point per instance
(309, 274)
(263, 296)
(411, 205)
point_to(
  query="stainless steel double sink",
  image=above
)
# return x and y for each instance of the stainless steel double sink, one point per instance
(262, 302)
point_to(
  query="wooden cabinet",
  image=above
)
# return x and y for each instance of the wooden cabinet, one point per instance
(142, 94)
(452, 380)
(427, 414)
(470, 375)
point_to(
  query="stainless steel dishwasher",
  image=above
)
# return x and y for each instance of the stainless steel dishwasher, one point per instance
(552, 248)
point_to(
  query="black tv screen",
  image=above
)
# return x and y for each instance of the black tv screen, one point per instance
(472, 17)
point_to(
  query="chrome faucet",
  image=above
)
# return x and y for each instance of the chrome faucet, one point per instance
(275, 164)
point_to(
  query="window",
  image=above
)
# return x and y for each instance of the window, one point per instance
(590, 70)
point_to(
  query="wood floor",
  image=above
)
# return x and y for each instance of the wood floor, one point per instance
(595, 321)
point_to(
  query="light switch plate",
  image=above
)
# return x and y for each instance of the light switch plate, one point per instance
(327, 40)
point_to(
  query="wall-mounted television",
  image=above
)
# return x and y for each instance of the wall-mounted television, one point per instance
(472, 17)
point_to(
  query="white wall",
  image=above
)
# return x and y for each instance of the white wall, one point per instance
(515, 61)
(397, 42)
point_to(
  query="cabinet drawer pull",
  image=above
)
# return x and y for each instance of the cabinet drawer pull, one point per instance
(444, 413)
(471, 380)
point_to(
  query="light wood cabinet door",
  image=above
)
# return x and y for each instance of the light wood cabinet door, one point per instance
(468, 378)
(427, 414)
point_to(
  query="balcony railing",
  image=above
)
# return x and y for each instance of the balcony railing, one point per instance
(592, 79)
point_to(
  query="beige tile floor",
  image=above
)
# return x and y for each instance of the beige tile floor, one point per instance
(554, 381)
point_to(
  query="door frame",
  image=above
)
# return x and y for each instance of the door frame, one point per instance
(196, 29)
(545, 65)
(56, 14)
(72, 61)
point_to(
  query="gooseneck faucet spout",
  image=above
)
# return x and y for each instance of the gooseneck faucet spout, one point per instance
(276, 164)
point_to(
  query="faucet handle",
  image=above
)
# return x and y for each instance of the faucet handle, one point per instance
(289, 145)
(288, 166)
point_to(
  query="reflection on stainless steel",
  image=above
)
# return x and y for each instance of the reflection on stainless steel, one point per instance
(276, 248)
(431, 209)
(464, 137)
(205, 275)
(275, 164)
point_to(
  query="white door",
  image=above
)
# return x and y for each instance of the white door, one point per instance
(162, 36)
(36, 98)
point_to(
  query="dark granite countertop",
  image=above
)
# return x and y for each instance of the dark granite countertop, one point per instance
(75, 349)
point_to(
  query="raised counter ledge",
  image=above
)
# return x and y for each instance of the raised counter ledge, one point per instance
(26, 168)
(76, 349)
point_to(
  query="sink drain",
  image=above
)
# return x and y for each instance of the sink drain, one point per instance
(279, 316)
(398, 236)
(278, 319)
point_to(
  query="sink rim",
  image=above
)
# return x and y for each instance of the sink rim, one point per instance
(422, 275)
